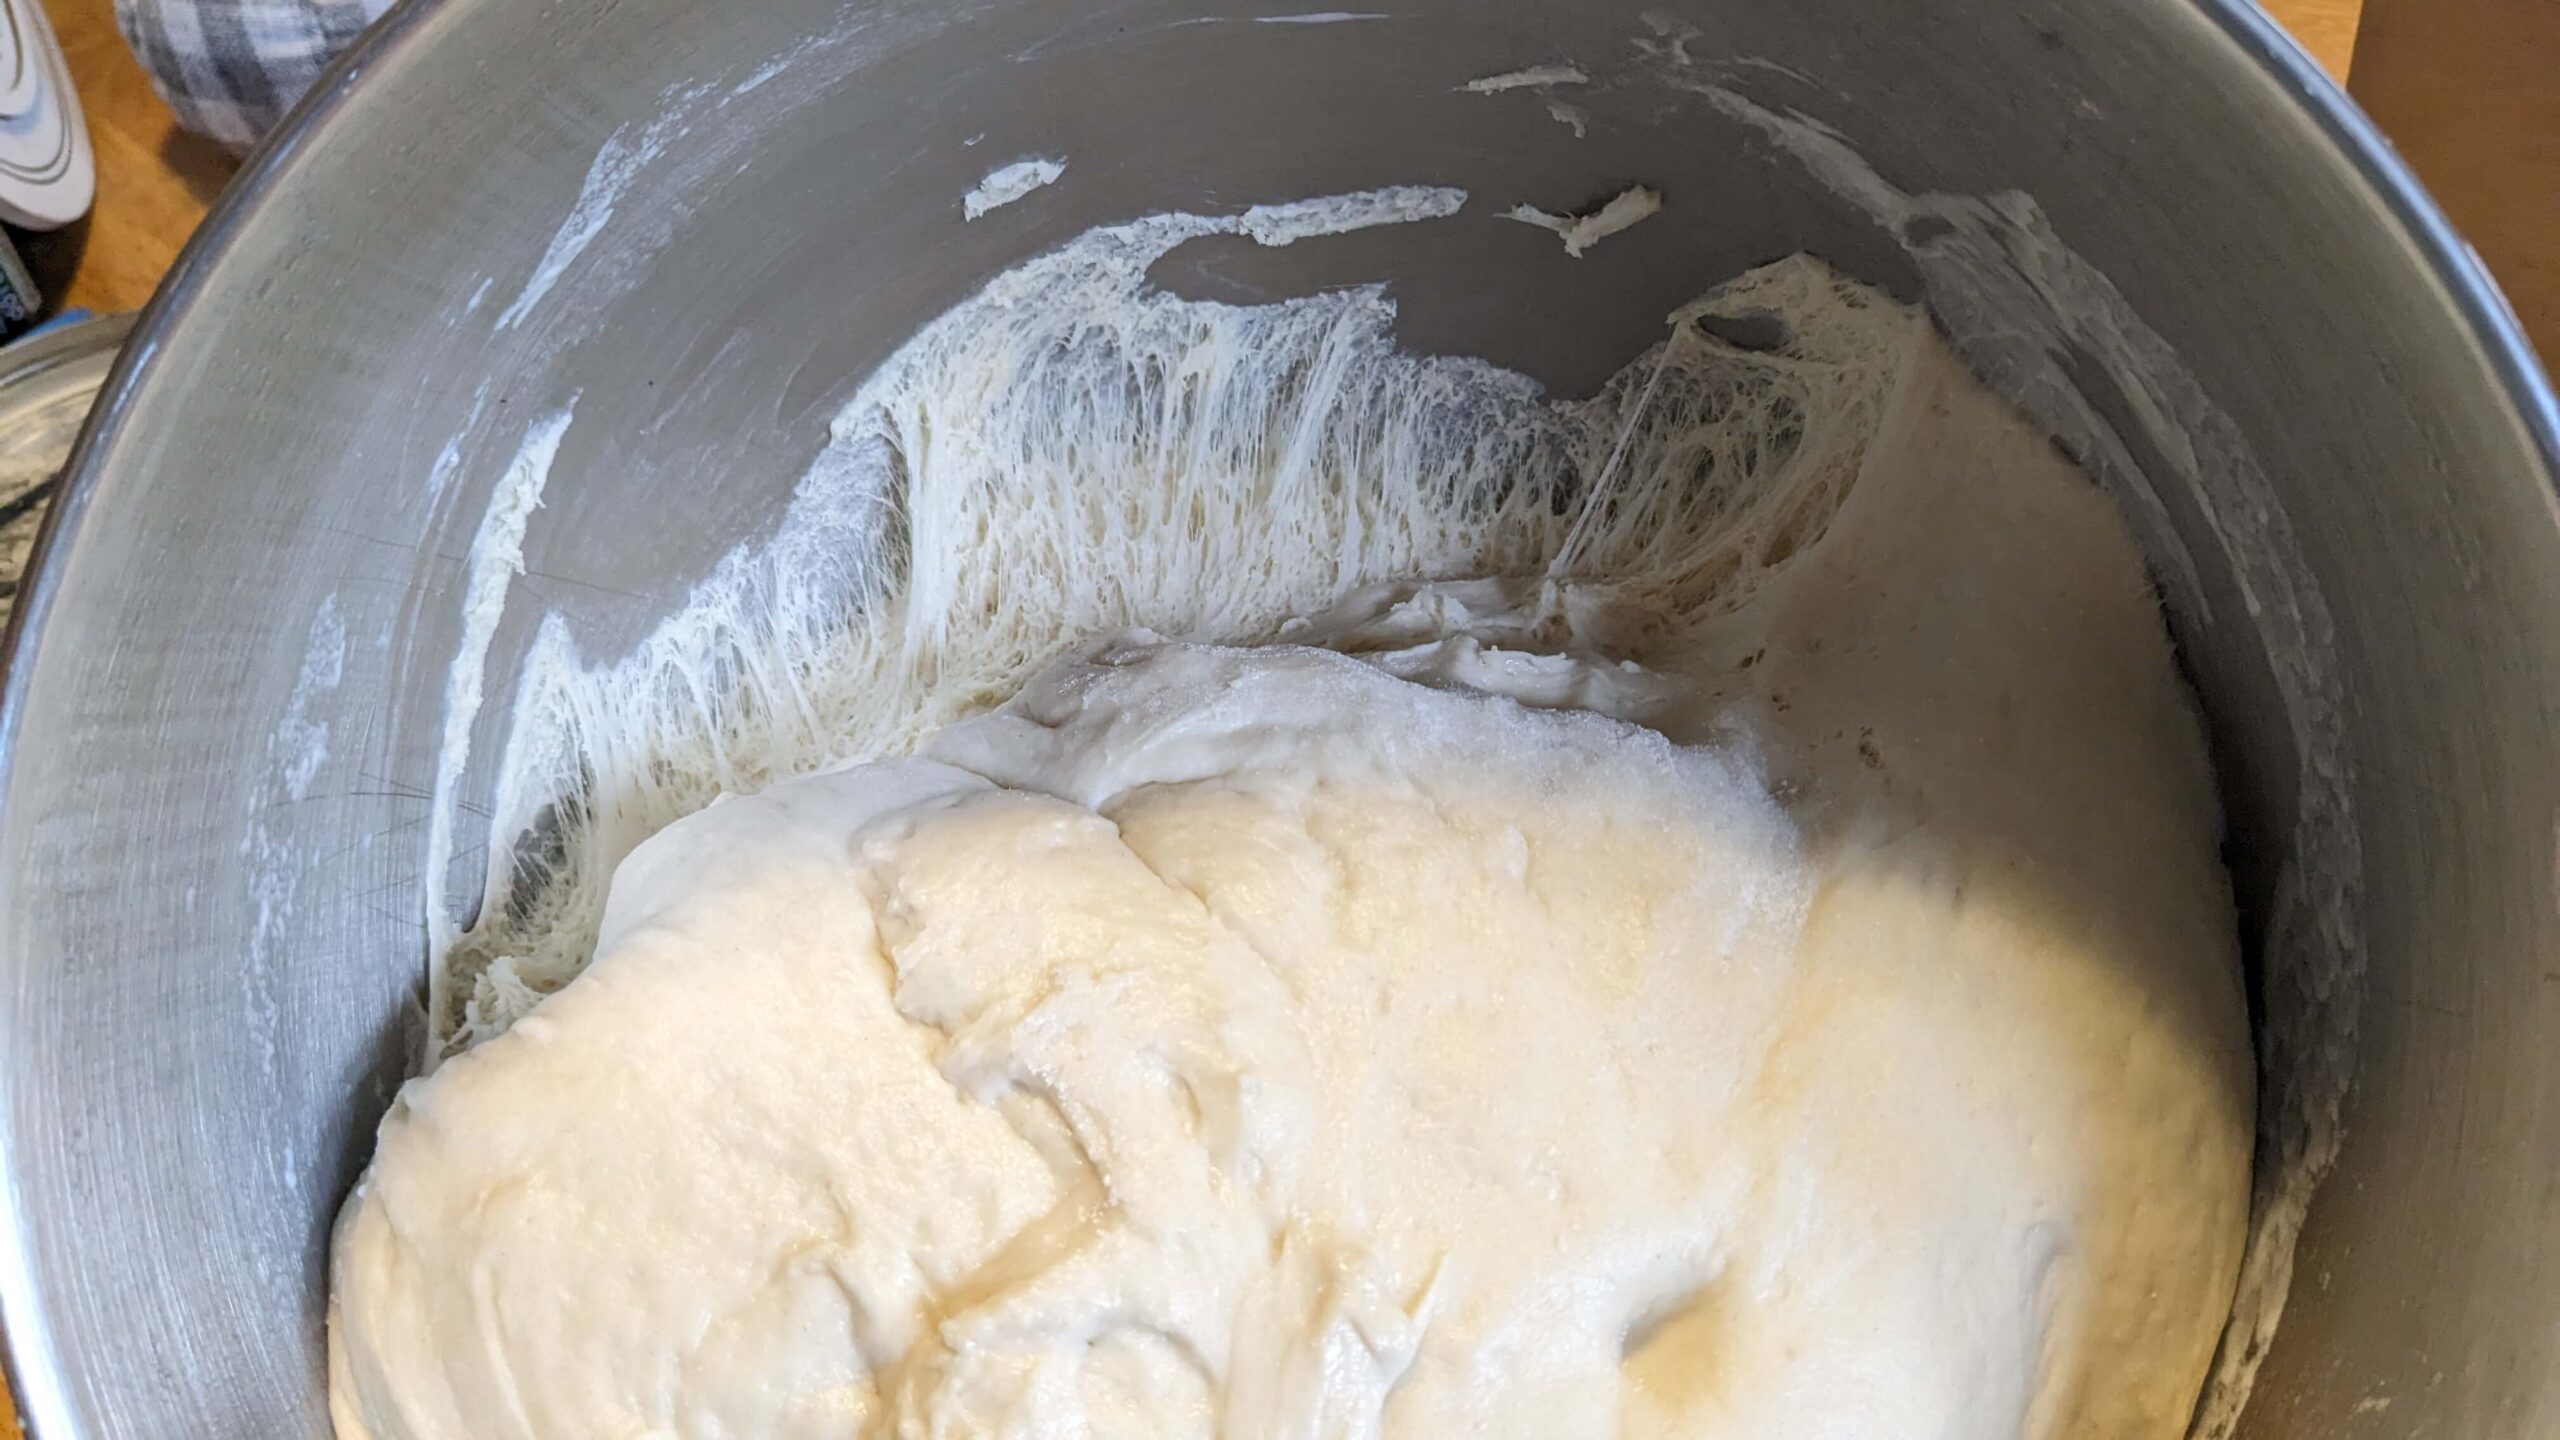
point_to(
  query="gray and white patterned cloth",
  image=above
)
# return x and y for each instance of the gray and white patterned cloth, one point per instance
(232, 68)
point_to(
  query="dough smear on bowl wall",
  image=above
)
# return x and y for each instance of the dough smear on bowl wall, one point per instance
(1289, 887)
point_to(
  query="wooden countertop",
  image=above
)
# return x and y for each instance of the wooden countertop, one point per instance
(2469, 92)
(155, 181)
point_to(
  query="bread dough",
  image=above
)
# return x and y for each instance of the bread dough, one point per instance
(1479, 1017)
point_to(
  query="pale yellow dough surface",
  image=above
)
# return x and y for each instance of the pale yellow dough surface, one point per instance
(1830, 1027)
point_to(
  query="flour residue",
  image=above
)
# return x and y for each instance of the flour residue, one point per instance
(496, 558)
(1544, 80)
(1625, 210)
(1534, 77)
(623, 156)
(297, 752)
(300, 744)
(1008, 183)
(1290, 221)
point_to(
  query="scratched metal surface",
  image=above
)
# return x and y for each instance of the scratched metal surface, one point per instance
(208, 981)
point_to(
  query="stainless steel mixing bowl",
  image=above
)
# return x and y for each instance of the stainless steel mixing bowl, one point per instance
(708, 221)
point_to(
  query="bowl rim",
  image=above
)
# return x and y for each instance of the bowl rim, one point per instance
(28, 1365)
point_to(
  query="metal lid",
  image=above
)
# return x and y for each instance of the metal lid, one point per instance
(47, 383)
